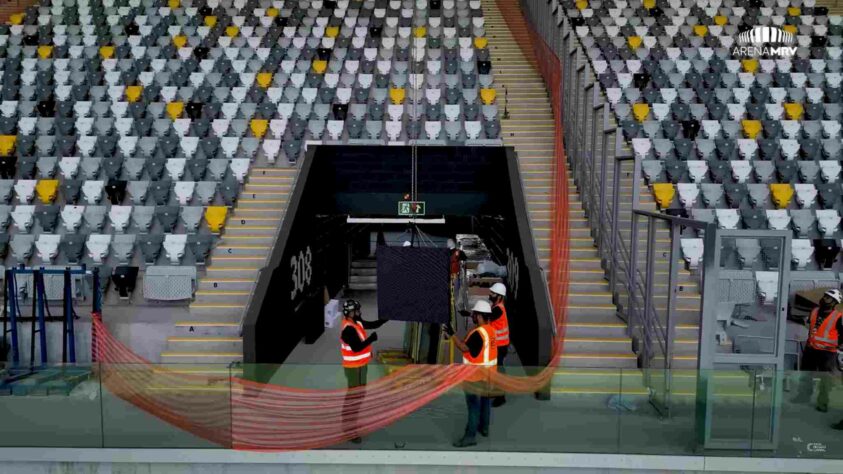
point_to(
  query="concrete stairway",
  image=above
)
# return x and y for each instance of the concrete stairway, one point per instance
(363, 275)
(595, 337)
(598, 355)
(211, 335)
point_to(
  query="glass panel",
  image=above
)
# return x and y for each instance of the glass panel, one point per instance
(166, 406)
(643, 428)
(730, 399)
(52, 406)
(747, 312)
(805, 431)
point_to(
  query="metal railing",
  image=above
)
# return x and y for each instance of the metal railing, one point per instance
(645, 286)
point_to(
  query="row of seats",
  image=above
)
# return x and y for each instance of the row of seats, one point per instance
(162, 192)
(74, 248)
(748, 197)
(741, 171)
(805, 254)
(120, 218)
(116, 167)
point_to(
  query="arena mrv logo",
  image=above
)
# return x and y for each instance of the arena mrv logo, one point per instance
(768, 41)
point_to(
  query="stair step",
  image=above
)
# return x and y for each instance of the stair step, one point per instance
(207, 328)
(200, 357)
(241, 249)
(613, 360)
(226, 284)
(223, 344)
(217, 296)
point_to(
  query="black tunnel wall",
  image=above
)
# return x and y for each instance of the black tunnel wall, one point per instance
(480, 185)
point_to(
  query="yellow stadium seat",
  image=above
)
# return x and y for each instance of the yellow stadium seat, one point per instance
(133, 93)
(259, 127)
(641, 111)
(481, 42)
(332, 31)
(794, 110)
(782, 194)
(751, 128)
(634, 42)
(749, 65)
(272, 12)
(420, 32)
(794, 11)
(215, 217)
(488, 96)
(16, 19)
(45, 51)
(700, 30)
(264, 79)
(790, 29)
(47, 189)
(232, 31)
(397, 95)
(174, 4)
(107, 52)
(649, 4)
(664, 193)
(175, 109)
(7, 144)
(721, 20)
(319, 66)
(582, 4)
(211, 21)
(180, 41)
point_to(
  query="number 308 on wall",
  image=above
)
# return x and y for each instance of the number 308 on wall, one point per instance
(301, 270)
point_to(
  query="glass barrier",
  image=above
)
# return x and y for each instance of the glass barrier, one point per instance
(589, 411)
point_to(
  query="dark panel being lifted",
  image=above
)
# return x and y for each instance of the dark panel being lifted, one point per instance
(413, 284)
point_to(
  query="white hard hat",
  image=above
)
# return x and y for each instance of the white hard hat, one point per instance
(498, 289)
(407, 243)
(451, 244)
(482, 307)
(836, 294)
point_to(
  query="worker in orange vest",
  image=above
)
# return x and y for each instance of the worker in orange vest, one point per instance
(478, 349)
(356, 350)
(825, 339)
(500, 323)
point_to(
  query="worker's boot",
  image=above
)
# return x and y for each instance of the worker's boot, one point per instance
(465, 443)
(838, 426)
(498, 401)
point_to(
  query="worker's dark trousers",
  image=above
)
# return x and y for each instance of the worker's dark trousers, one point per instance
(814, 363)
(479, 410)
(502, 351)
(356, 377)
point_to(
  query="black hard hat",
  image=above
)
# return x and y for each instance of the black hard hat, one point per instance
(350, 306)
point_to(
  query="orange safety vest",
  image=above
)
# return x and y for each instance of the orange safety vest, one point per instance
(824, 337)
(501, 326)
(351, 359)
(488, 357)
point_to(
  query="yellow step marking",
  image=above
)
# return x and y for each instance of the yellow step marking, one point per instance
(596, 356)
(225, 280)
(222, 293)
(216, 306)
(205, 324)
(204, 339)
(201, 354)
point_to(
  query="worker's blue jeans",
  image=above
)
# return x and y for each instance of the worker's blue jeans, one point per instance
(479, 410)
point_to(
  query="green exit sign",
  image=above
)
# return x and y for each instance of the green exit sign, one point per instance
(410, 208)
